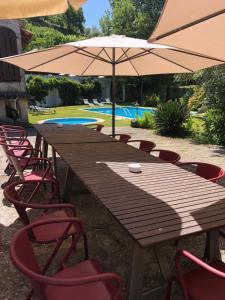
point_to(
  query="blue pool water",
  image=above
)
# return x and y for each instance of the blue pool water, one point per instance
(72, 121)
(126, 112)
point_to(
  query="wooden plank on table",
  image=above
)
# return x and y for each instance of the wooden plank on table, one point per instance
(70, 134)
(161, 203)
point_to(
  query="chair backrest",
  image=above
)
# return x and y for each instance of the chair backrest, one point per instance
(86, 101)
(12, 194)
(123, 137)
(209, 171)
(10, 131)
(168, 156)
(25, 260)
(99, 127)
(95, 101)
(144, 145)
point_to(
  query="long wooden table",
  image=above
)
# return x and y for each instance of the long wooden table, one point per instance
(161, 203)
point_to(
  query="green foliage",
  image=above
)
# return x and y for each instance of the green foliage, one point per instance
(134, 18)
(197, 99)
(90, 89)
(45, 37)
(152, 101)
(37, 87)
(69, 91)
(170, 117)
(147, 121)
(214, 127)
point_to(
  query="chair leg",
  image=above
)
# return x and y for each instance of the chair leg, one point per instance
(169, 290)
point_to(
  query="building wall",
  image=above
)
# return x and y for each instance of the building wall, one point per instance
(13, 87)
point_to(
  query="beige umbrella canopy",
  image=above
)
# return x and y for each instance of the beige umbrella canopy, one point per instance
(14, 9)
(112, 56)
(195, 25)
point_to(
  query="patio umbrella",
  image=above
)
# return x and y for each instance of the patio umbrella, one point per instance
(112, 56)
(193, 25)
(14, 9)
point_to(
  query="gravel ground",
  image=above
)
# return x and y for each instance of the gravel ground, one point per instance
(107, 241)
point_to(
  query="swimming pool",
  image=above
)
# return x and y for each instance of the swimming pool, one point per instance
(123, 111)
(73, 121)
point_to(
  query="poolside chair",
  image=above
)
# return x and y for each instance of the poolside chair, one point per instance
(167, 155)
(107, 101)
(95, 101)
(206, 170)
(86, 102)
(84, 280)
(204, 282)
(121, 137)
(144, 145)
(39, 109)
(19, 194)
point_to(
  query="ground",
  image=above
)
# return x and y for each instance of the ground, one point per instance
(107, 241)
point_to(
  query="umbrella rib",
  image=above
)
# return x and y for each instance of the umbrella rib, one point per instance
(131, 62)
(179, 65)
(51, 60)
(107, 55)
(91, 55)
(121, 56)
(145, 52)
(196, 54)
(196, 22)
(88, 66)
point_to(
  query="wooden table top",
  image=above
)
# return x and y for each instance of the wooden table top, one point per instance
(69, 134)
(161, 203)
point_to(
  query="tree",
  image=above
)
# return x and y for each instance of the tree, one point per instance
(134, 18)
(37, 87)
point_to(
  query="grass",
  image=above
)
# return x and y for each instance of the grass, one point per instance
(75, 111)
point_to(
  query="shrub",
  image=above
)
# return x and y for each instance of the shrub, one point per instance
(147, 121)
(69, 91)
(37, 87)
(214, 127)
(197, 99)
(152, 101)
(90, 89)
(170, 117)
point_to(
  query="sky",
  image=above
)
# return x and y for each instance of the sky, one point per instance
(94, 10)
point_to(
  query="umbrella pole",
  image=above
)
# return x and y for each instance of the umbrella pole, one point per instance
(113, 91)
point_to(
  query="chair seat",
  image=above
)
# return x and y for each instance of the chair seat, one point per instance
(203, 285)
(96, 291)
(38, 175)
(52, 232)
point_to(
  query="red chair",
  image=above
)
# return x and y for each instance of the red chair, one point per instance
(205, 282)
(121, 137)
(97, 127)
(167, 155)
(10, 131)
(205, 170)
(40, 171)
(85, 280)
(144, 145)
(14, 193)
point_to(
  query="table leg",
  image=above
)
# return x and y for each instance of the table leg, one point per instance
(163, 263)
(137, 273)
(54, 161)
(38, 141)
(213, 251)
(67, 185)
(45, 149)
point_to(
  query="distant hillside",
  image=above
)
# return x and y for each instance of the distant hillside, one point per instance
(54, 30)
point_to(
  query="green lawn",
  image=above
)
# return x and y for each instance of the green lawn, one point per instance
(74, 111)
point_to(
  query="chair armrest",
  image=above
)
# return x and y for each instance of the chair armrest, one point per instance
(196, 261)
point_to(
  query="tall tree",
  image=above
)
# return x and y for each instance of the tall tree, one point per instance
(135, 18)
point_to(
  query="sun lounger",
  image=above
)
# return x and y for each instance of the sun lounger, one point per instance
(86, 102)
(107, 101)
(95, 101)
(40, 109)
